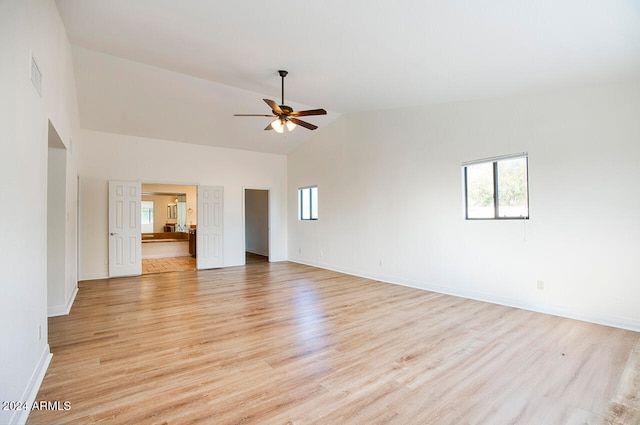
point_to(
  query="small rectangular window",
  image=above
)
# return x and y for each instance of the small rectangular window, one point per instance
(147, 216)
(497, 188)
(147, 212)
(308, 203)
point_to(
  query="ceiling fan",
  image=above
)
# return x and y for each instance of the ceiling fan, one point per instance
(285, 115)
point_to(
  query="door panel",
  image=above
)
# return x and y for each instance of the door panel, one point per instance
(209, 233)
(125, 248)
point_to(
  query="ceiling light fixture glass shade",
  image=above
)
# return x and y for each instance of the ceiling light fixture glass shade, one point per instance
(277, 125)
(290, 125)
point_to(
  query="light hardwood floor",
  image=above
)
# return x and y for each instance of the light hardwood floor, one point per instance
(283, 343)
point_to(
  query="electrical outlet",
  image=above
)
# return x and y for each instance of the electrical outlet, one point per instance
(541, 285)
(39, 332)
(380, 263)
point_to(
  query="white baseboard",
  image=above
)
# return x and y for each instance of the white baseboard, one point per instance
(31, 392)
(258, 252)
(95, 276)
(63, 310)
(612, 321)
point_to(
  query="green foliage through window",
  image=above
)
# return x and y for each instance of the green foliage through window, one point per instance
(497, 189)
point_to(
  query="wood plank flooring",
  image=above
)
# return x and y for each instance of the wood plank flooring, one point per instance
(283, 343)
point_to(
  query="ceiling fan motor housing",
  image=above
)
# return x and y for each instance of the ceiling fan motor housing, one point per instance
(286, 109)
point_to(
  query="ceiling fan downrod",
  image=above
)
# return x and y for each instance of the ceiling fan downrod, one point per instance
(282, 75)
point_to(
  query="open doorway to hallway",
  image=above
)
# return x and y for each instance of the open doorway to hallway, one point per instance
(256, 224)
(168, 217)
(61, 271)
(255, 259)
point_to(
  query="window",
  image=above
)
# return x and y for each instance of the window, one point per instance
(497, 188)
(147, 216)
(147, 212)
(308, 203)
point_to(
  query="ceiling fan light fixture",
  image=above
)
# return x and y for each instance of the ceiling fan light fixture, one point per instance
(284, 115)
(277, 125)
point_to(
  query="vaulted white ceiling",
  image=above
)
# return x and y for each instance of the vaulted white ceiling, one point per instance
(179, 70)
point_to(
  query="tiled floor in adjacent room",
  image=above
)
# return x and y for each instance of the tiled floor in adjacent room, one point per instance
(173, 264)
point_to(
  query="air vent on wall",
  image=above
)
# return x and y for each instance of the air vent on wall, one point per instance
(36, 76)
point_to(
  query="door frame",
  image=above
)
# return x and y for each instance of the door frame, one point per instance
(244, 217)
(199, 217)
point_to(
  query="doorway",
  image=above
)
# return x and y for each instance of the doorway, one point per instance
(256, 225)
(169, 217)
(125, 235)
(59, 289)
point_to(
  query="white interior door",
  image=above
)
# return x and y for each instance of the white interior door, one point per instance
(125, 247)
(209, 242)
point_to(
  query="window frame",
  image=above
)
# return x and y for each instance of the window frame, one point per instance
(301, 191)
(150, 214)
(496, 201)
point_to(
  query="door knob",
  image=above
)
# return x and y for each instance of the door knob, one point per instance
(112, 234)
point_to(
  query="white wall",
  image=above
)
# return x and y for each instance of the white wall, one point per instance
(391, 201)
(108, 156)
(31, 26)
(256, 212)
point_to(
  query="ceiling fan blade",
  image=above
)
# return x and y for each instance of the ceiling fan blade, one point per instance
(268, 127)
(308, 112)
(303, 123)
(274, 106)
(253, 115)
